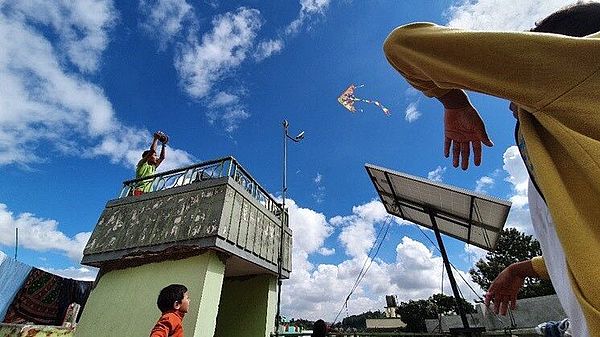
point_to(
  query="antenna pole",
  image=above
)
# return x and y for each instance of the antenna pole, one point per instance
(16, 241)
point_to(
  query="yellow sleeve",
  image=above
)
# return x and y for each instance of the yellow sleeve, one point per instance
(539, 266)
(530, 69)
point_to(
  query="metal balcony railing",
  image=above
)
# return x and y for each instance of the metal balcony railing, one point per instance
(219, 168)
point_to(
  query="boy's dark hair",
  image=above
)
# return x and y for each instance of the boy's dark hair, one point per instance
(319, 329)
(578, 20)
(169, 295)
(145, 153)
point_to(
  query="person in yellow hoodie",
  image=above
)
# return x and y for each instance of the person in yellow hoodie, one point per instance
(551, 75)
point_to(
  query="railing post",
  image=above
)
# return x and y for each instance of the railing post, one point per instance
(230, 167)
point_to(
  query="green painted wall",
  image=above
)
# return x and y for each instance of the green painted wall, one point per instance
(248, 306)
(123, 303)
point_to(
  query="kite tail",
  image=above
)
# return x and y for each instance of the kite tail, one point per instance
(385, 110)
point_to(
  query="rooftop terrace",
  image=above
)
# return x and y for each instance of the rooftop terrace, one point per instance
(214, 205)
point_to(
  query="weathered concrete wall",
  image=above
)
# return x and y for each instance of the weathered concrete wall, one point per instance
(158, 218)
(246, 223)
(193, 216)
(529, 313)
(244, 308)
(19, 330)
(123, 303)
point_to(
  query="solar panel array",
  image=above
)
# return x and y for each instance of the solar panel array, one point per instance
(474, 218)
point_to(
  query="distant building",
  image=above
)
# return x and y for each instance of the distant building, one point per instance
(384, 324)
(391, 322)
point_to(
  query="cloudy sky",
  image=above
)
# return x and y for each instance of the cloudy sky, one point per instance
(83, 84)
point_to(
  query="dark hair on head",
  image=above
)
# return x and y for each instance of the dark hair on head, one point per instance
(578, 20)
(145, 153)
(169, 295)
(319, 329)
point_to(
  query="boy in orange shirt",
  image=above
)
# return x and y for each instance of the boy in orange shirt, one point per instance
(173, 301)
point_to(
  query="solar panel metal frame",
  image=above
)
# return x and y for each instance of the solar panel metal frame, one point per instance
(497, 208)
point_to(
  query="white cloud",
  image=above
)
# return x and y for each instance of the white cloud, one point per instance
(233, 116)
(227, 109)
(308, 9)
(82, 273)
(358, 234)
(474, 253)
(414, 273)
(412, 113)
(519, 216)
(267, 48)
(318, 178)
(312, 225)
(166, 18)
(223, 98)
(417, 271)
(202, 63)
(319, 194)
(517, 172)
(437, 174)
(39, 234)
(81, 26)
(483, 183)
(44, 100)
(326, 251)
(512, 15)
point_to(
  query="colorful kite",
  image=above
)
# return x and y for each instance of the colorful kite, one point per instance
(347, 99)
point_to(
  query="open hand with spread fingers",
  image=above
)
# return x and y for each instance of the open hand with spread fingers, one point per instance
(503, 291)
(463, 129)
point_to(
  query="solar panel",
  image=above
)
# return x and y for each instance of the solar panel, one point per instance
(471, 217)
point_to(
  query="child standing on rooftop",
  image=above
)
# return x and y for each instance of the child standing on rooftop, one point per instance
(149, 162)
(173, 301)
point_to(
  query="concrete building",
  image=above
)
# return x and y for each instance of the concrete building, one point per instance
(209, 226)
(391, 322)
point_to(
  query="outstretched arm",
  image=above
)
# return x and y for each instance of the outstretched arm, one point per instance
(154, 143)
(150, 152)
(162, 154)
(512, 65)
(503, 291)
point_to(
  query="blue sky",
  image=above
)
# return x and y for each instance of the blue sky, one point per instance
(83, 84)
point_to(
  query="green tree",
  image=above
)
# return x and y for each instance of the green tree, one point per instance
(513, 246)
(446, 305)
(414, 313)
(359, 322)
(303, 323)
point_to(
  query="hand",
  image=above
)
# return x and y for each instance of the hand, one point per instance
(162, 137)
(503, 291)
(463, 127)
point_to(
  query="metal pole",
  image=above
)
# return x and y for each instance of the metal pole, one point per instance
(281, 232)
(16, 241)
(457, 297)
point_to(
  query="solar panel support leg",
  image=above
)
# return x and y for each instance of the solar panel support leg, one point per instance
(457, 297)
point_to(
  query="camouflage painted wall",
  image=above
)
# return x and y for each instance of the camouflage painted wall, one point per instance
(219, 208)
